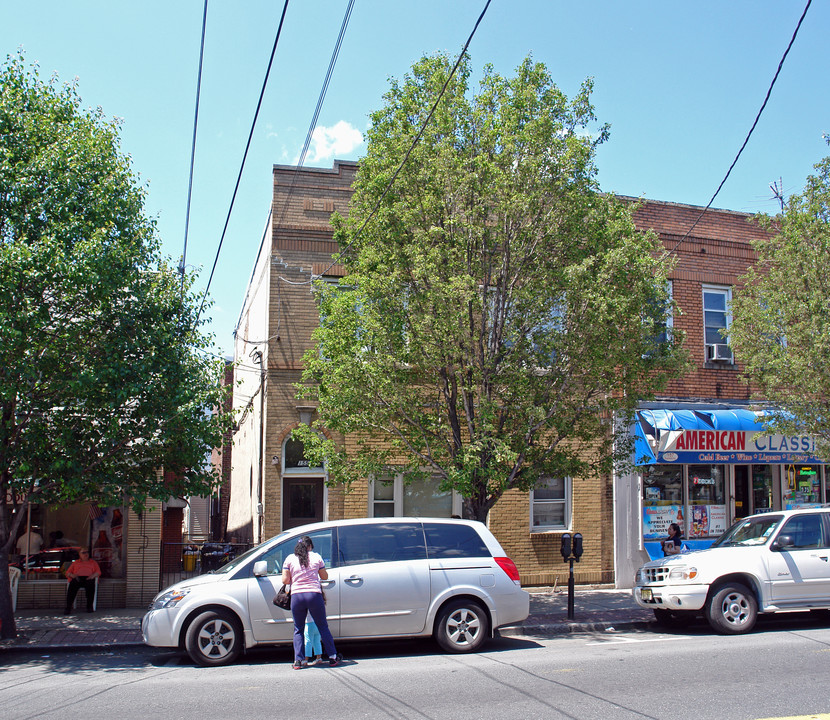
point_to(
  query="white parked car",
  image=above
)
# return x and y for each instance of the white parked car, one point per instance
(764, 563)
(388, 577)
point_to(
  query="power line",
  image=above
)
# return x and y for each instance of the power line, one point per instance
(316, 115)
(193, 145)
(414, 142)
(757, 118)
(244, 157)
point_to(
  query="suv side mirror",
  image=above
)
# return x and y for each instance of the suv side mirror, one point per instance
(782, 542)
(260, 568)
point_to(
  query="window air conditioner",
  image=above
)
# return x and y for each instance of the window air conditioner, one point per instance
(719, 353)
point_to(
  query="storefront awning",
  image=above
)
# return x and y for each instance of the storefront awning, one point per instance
(723, 436)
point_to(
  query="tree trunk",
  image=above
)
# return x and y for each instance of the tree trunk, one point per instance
(8, 628)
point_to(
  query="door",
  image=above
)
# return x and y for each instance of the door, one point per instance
(302, 501)
(801, 573)
(270, 623)
(384, 580)
(742, 492)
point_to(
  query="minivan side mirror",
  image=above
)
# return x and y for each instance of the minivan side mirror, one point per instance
(260, 568)
(782, 542)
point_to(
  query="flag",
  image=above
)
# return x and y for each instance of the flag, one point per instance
(94, 511)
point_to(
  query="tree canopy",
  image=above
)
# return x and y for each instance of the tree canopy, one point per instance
(781, 314)
(102, 382)
(499, 311)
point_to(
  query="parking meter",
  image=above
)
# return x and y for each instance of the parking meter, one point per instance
(577, 546)
(566, 546)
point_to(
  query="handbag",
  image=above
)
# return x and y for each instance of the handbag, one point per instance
(283, 598)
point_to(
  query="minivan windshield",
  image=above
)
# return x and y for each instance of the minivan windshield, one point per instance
(751, 531)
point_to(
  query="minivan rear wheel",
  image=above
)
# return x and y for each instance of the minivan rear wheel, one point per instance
(462, 626)
(214, 638)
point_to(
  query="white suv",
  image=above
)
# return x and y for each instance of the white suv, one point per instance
(763, 563)
(387, 577)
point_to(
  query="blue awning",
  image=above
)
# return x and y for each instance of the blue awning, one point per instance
(722, 436)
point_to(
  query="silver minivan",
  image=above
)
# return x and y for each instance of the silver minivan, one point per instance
(388, 577)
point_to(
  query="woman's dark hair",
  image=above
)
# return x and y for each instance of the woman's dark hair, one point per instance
(677, 529)
(301, 549)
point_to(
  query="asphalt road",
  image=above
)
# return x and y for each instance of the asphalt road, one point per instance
(781, 670)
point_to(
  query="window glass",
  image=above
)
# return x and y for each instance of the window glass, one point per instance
(421, 498)
(275, 557)
(752, 531)
(550, 503)
(707, 500)
(383, 497)
(802, 486)
(662, 499)
(805, 531)
(381, 542)
(715, 316)
(454, 540)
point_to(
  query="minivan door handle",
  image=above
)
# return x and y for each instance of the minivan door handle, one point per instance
(354, 579)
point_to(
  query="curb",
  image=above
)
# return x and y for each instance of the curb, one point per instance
(572, 627)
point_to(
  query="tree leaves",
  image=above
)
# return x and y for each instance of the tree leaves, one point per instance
(496, 311)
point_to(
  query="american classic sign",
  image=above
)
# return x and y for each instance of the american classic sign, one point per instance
(734, 446)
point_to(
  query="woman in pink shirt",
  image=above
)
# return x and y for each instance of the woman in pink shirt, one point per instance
(82, 574)
(303, 571)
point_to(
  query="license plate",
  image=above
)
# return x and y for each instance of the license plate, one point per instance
(645, 593)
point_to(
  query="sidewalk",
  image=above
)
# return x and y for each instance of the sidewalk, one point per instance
(594, 609)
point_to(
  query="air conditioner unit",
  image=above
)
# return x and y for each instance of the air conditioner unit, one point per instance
(719, 353)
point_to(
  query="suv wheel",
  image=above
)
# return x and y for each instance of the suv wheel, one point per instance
(732, 609)
(214, 638)
(462, 626)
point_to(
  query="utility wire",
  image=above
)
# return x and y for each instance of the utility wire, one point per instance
(193, 145)
(757, 118)
(414, 142)
(244, 157)
(313, 125)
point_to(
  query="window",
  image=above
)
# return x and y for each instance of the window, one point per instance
(550, 503)
(716, 317)
(390, 497)
(806, 532)
(360, 544)
(454, 541)
(663, 320)
(275, 557)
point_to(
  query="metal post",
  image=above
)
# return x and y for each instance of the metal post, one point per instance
(571, 590)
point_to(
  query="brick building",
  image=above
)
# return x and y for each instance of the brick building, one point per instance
(620, 516)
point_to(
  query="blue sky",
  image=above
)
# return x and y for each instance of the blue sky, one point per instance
(679, 83)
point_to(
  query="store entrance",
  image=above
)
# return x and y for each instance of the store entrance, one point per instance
(743, 494)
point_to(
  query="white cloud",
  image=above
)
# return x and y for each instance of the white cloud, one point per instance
(340, 140)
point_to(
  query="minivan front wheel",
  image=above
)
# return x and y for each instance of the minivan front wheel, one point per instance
(213, 638)
(462, 626)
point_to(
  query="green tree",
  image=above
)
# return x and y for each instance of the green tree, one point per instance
(781, 315)
(499, 312)
(101, 381)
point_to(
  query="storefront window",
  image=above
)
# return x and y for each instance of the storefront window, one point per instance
(707, 501)
(802, 486)
(662, 499)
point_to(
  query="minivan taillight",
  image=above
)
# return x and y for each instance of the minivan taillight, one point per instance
(506, 564)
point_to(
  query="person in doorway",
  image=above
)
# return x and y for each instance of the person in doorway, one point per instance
(30, 543)
(302, 572)
(82, 573)
(673, 543)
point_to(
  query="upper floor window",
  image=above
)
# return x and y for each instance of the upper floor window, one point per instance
(550, 503)
(390, 497)
(662, 318)
(716, 317)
